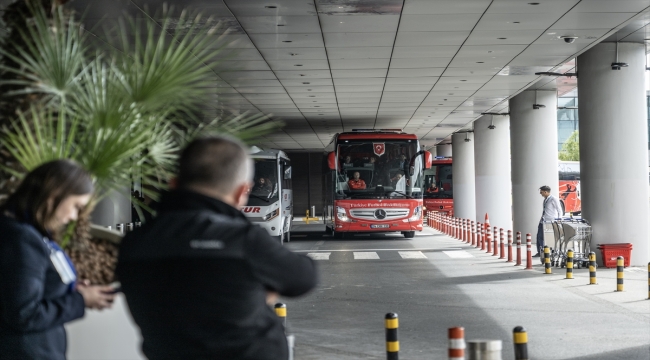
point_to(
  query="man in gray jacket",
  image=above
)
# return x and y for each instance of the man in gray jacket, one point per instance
(197, 277)
(552, 209)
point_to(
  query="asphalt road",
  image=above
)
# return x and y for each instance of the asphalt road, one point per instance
(434, 282)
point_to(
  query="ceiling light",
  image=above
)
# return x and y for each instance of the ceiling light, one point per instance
(312, 95)
(306, 83)
(271, 7)
(479, 62)
(551, 33)
(286, 41)
(280, 24)
(533, 3)
(467, 139)
(516, 22)
(463, 80)
(298, 65)
(618, 65)
(502, 38)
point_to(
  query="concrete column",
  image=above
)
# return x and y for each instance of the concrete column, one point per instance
(444, 150)
(463, 175)
(533, 147)
(492, 167)
(613, 147)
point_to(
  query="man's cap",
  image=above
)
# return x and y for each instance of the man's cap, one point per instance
(545, 188)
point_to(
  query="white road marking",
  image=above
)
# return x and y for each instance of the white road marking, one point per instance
(416, 249)
(461, 254)
(319, 256)
(320, 243)
(412, 255)
(365, 255)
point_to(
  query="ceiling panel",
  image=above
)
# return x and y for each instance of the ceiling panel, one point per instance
(316, 64)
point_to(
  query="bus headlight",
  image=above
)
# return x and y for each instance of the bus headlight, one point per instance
(417, 213)
(341, 214)
(272, 215)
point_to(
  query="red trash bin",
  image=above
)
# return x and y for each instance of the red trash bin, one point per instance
(610, 252)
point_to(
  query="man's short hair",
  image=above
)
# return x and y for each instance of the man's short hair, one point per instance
(219, 162)
(545, 188)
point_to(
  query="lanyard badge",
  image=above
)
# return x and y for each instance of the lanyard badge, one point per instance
(61, 264)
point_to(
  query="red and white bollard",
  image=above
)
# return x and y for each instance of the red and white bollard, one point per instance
(473, 229)
(503, 244)
(509, 246)
(496, 242)
(488, 238)
(456, 343)
(529, 254)
(518, 249)
(483, 237)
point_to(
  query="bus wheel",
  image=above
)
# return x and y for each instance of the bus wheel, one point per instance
(339, 235)
(409, 234)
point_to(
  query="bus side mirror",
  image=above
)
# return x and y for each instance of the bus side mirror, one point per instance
(428, 160)
(331, 160)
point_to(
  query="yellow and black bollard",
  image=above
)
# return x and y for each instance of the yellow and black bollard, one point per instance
(592, 268)
(569, 264)
(620, 265)
(392, 344)
(547, 260)
(281, 312)
(520, 339)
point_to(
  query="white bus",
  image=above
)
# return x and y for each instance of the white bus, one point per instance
(270, 202)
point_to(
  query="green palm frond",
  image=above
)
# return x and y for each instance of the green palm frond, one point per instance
(51, 58)
(39, 136)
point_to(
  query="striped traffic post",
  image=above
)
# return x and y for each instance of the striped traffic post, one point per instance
(529, 254)
(488, 238)
(472, 227)
(649, 281)
(520, 340)
(483, 237)
(592, 268)
(503, 244)
(456, 343)
(464, 237)
(281, 312)
(496, 241)
(569, 264)
(547, 260)
(518, 249)
(468, 231)
(392, 344)
(620, 265)
(509, 246)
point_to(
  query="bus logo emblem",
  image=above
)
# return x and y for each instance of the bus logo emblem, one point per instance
(380, 214)
(379, 148)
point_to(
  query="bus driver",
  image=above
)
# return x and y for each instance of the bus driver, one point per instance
(356, 183)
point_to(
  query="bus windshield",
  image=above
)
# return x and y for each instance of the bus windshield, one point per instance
(370, 169)
(265, 190)
(438, 182)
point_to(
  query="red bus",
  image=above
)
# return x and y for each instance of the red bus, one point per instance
(569, 187)
(439, 193)
(374, 182)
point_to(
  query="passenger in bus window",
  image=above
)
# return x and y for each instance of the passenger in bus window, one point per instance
(432, 189)
(356, 183)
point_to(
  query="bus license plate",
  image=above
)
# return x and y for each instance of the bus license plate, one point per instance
(379, 226)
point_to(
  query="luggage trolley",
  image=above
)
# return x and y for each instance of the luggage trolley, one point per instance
(575, 235)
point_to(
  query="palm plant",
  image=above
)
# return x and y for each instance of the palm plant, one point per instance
(123, 109)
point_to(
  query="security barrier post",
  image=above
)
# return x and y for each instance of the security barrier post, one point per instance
(518, 248)
(620, 265)
(503, 244)
(509, 246)
(456, 343)
(529, 255)
(592, 268)
(392, 344)
(483, 236)
(281, 312)
(649, 281)
(520, 340)
(547, 260)
(496, 241)
(473, 230)
(488, 238)
(569, 264)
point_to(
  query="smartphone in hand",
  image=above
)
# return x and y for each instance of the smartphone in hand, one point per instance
(116, 287)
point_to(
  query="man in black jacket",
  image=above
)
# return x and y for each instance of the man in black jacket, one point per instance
(197, 277)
